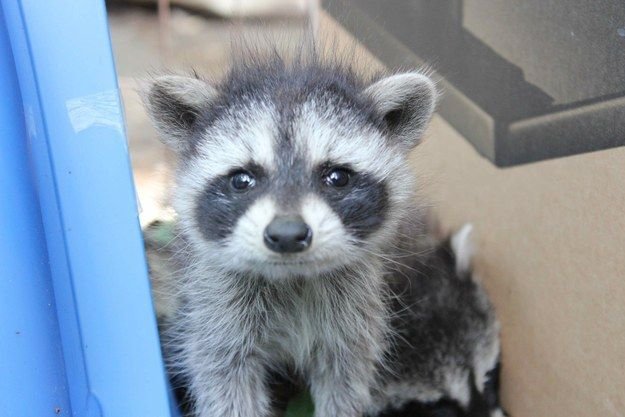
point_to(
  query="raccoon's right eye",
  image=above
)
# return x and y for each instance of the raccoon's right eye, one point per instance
(338, 177)
(242, 181)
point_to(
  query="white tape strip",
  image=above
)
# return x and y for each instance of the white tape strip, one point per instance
(101, 109)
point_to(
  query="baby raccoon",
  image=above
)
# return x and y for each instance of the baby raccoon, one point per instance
(291, 186)
(443, 360)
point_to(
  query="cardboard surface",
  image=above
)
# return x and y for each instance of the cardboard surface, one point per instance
(551, 237)
(551, 242)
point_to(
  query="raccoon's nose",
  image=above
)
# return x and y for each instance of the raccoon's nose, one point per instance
(288, 234)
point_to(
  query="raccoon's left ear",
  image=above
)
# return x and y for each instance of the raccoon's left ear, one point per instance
(406, 103)
(174, 103)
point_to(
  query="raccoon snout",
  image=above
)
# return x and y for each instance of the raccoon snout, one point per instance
(288, 234)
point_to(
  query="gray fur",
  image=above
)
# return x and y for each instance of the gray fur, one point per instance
(403, 98)
(324, 314)
(174, 103)
(445, 340)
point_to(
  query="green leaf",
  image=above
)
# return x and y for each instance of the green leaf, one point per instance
(300, 406)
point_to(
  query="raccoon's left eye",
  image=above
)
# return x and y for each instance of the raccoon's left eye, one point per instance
(338, 177)
(242, 180)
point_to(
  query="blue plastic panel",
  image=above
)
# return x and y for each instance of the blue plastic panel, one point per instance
(32, 373)
(70, 141)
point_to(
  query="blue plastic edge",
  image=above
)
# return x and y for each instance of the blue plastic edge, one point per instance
(78, 152)
(32, 371)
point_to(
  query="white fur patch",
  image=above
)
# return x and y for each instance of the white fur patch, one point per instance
(400, 393)
(328, 230)
(248, 232)
(457, 385)
(497, 413)
(463, 248)
(236, 142)
(486, 357)
(321, 137)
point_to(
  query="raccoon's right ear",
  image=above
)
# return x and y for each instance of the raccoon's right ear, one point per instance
(174, 103)
(406, 103)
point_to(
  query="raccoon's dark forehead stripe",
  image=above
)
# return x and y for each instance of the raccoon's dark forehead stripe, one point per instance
(362, 206)
(285, 89)
(292, 178)
(289, 86)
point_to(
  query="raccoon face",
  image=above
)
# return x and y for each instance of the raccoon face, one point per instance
(291, 172)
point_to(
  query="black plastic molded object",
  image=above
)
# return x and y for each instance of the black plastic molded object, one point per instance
(522, 81)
